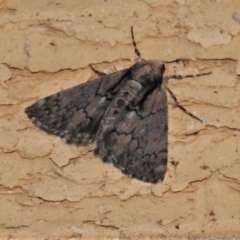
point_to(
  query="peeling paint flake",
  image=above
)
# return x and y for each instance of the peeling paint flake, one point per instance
(209, 37)
(49, 189)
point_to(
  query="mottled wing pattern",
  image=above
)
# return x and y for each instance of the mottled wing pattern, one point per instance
(137, 143)
(125, 112)
(76, 113)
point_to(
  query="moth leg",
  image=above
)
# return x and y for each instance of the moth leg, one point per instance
(179, 77)
(177, 104)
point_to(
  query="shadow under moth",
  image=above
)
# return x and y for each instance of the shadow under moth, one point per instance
(125, 112)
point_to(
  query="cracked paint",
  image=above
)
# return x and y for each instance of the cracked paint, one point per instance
(51, 189)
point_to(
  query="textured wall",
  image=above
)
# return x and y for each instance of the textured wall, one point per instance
(48, 188)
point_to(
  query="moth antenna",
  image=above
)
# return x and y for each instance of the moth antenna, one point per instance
(135, 45)
(179, 77)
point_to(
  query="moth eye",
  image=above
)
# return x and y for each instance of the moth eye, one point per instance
(163, 68)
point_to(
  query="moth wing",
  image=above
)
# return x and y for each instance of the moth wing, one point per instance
(138, 142)
(75, 113)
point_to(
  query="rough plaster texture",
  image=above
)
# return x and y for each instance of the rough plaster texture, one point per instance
(51, 189)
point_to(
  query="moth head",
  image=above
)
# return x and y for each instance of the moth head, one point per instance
(158, 66)
(148, 73)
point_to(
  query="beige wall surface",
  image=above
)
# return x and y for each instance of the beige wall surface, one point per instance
(51, 189)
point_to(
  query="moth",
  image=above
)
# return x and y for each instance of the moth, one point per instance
(124, 112)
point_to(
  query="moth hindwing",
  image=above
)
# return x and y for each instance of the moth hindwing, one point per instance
(124, 112)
